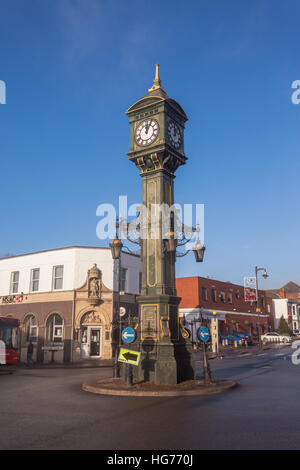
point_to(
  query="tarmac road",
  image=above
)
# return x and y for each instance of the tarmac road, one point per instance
(46, 409)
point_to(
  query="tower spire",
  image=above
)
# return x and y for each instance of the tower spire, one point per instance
(157, 80)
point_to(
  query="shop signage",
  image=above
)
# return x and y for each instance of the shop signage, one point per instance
(13, 299)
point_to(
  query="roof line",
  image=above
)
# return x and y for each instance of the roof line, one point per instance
(63, 248)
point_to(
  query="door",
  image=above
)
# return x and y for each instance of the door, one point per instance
(90, 342)
(95, 342)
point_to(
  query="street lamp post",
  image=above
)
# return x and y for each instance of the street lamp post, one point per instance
(116, 248)
(265, 276)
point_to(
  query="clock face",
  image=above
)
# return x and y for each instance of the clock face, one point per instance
(146, 132)
(174, 134)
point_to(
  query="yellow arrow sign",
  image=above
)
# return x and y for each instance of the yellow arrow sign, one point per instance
(129, 357)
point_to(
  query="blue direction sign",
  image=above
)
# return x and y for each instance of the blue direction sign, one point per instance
(128, 335)
(204, 334)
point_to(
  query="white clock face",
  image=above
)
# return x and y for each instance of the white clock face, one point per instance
(146, 132)
(174, 134)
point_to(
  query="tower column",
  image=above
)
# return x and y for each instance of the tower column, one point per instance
(157, 124)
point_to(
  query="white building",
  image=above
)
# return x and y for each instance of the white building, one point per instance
(65, 298)
(289, 309)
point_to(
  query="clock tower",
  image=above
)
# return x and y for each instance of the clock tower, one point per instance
(157, 149)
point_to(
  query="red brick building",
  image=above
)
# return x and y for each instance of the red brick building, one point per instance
(227, 299)
(291, 290)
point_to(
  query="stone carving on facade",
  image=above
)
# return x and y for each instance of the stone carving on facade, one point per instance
(94, 285)
(91, 318)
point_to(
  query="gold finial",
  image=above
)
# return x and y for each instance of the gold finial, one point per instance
(157, 81)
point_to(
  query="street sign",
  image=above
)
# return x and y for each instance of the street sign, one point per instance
(53, 348)
(122, 311)
(128, 335)
(129, 357)
(204, 334)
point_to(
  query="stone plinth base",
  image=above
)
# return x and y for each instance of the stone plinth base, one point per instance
(147, 389)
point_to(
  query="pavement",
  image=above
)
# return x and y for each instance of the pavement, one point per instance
(46, 409)
(227, 351)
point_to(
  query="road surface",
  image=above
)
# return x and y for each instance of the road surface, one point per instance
(46, 409)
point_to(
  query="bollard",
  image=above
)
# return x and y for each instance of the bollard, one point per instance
(246, 344)
(223, 342)
(226, 342)
(235, 343)
(240, 342)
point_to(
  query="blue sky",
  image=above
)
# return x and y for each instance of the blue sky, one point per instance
(73, 67)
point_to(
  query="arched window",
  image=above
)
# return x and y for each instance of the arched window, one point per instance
(55, 329)
(31, 329)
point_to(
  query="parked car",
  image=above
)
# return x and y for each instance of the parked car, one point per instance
(246, 337)
(231, 338)
(296, 333)
(270, 337)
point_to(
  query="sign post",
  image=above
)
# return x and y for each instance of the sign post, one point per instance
(204, 337)
(128, 336)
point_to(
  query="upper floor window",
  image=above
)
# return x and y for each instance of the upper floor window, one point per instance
(229, 297)
(14, 282)
(263, 302)
(58, 276)
(34, 280)
(204, 293)
(123, 279)
(237, 294)
(214, 295)
(222, 296)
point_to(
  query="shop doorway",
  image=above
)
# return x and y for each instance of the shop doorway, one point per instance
(91, 342)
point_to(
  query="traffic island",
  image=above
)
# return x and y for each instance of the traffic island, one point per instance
(117, 387)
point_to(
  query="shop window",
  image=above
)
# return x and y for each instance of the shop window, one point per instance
(34, 280)
(58, 276)
(14, 282)
(55, 329)
(31, 329)
(204, 293)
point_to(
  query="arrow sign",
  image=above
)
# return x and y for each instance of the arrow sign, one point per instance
(129, 357)
(128, 335)
(204, 334)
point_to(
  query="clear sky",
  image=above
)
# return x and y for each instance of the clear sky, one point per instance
(73, 67)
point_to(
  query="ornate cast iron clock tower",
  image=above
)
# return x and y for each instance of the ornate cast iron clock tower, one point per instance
(157, 149)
